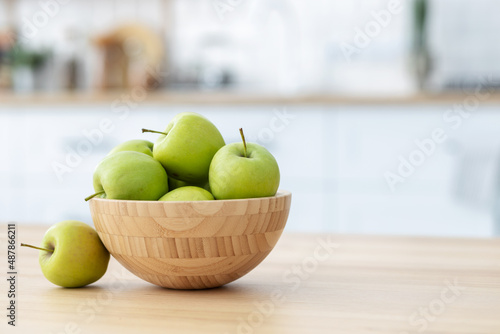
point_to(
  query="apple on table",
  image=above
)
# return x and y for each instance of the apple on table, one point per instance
(72, 255)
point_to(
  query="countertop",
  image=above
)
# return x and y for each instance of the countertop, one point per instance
(310, 283)
(236, 98)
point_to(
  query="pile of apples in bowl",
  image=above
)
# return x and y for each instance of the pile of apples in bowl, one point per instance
(189, 212)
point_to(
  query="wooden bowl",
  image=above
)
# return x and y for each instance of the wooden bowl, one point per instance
(191, 245)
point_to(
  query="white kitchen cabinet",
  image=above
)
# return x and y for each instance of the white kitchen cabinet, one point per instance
(332, 158)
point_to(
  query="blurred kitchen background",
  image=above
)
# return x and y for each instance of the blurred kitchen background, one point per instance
(383, 115)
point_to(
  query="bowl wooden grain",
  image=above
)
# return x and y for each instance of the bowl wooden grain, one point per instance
(191, 245)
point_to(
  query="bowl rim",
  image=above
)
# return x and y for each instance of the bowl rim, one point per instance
(279, 194)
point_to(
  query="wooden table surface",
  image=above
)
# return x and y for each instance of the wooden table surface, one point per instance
(233, 98)
(308, 284)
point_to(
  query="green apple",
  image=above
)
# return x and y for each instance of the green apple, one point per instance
(241, 170)
(174, 184)
(187, 193)
(131, 176)
(187, 147)
(137, 145)
(72, 254)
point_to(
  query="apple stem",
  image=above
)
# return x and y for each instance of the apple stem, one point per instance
(94, 195)
(244, 142)
(153, 131)
(39, 248)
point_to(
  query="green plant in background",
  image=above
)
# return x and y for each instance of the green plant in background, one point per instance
(421, 57)
(19, 56)
(24, 67)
